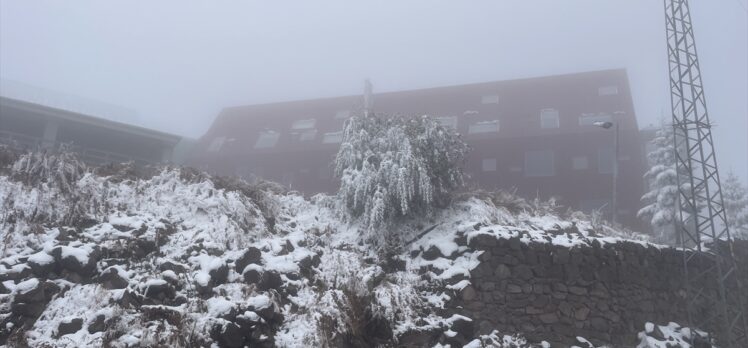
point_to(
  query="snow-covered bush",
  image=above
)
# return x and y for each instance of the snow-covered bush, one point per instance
(661, 202)
(735, 198)
(395, 166)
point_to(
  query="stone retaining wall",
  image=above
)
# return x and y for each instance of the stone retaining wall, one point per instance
(605, 293)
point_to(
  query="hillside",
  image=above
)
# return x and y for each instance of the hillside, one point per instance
(122, 257)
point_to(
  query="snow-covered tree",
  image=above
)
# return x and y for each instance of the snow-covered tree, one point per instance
(735, 198)
(661, 201)
(395, 166)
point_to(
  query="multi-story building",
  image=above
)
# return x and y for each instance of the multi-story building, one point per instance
(535, 135)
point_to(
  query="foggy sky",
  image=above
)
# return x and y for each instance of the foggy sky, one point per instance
(179, 62)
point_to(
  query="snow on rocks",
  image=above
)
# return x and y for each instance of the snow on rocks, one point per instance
(175, 259)
(212, 271)
(672, 335)
(251, 255)
(220, 307)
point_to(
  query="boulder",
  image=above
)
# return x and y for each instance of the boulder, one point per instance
(69, 326)
(306, 266)
(228, 335)
(219, 275)
(66, 235)
(28, 311)
(76, 260)
(248, 319)
(15, 272)
(252, 275)
(178, 301)
(158, 289)
(111, 278)
(463, 326)
(269, 280)
(140, 248)
(130, 299)
(251, 255)
(162, 313)
(29, 291)
(270, 314)
(173, 266)
(432, 253)
(287, 248)
(41, 264)
(98, 324)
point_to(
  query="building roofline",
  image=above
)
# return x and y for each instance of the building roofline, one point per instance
(431, 89)
(74, 116)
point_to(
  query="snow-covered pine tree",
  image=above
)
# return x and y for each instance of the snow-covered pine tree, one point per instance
(661, 202)
(395, 166)
(735, 197)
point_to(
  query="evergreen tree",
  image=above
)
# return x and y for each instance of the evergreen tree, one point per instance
(735, 198)
(395, 166)
(661, 202)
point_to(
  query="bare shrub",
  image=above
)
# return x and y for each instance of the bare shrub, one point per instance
(8, 156)
(60, 170)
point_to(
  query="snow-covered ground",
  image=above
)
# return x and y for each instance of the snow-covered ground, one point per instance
(180, 258)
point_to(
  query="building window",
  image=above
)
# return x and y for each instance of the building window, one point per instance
(549, 118)
(539, 163)
(267, 139)
(484, 127)
(333, 137)
(307, 135)
(489, 164)
(590, 119)
(580, 163)
(216, 144)
(448, 121)
(490, 99)
(342, 114)
(304, 124)
(607, 90)
(605, 160)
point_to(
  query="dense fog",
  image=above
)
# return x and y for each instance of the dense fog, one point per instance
(177, 64)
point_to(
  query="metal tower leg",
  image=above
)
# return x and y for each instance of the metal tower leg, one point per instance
(713, 290)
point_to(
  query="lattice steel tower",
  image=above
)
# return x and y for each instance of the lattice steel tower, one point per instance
(713, 291)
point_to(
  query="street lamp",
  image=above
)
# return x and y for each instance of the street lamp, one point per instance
(614, 204)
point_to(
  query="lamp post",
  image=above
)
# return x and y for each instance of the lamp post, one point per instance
(614, 203)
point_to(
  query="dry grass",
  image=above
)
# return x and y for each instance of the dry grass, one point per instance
(61, 170)
(357, 325)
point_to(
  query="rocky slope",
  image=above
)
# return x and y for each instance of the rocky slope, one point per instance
(164, 257)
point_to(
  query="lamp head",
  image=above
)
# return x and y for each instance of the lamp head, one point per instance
(605, 125)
